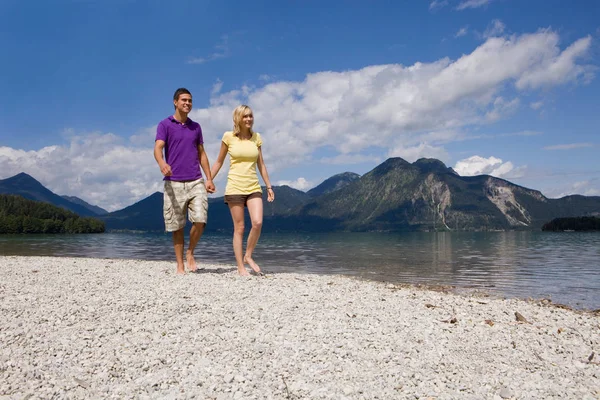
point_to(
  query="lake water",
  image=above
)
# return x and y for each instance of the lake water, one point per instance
(564, 267)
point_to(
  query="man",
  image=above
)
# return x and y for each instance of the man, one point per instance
(185, 190)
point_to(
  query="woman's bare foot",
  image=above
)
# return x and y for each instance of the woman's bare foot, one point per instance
(248, 260)
(242, 271)
(191, 262)
(180, 270)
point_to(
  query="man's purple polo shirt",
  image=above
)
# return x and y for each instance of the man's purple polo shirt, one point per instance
(181, 148)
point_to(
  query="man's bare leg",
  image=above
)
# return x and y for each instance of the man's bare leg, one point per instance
(195, 234)
(237, 215)
(255, 208)
(178, 246)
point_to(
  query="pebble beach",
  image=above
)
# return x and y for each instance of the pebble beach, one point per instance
(81, 328)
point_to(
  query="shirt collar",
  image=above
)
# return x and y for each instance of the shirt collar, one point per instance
(187, 122)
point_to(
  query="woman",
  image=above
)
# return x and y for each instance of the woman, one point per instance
(243, 190)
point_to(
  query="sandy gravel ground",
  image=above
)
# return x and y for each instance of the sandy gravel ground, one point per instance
(96, 328)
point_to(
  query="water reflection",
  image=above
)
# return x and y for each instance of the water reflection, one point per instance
(561, 266)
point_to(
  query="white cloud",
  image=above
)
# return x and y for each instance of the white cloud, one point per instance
(221, 51)
(394, 110)
(493, 166)
(472, 4)
(495, 28)
(100, 169)
(568, 146)
(585, 188)
(346, 159)
(477, 76)
(557, 67)
(438, 137)
(216, 89)
(143, 137)
(589, 187)
(437, 4)
(377, 103)
(501, 108)
(300, 184)
(461, 32)
(423, 150)
(536, 105)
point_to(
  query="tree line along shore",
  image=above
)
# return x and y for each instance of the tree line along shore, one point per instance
(19, 215)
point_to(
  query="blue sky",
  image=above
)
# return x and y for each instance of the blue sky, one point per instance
(502, 87)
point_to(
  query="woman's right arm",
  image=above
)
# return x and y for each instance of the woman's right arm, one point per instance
(219, 163)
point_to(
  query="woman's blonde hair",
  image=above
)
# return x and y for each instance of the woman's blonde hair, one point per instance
(238, 114)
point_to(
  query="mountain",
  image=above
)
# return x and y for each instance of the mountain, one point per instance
(426, 195)
(95, 209)
(147, 214)
(332, 184)
(394, 196)
(433, 165)
(26, 186)
(286, 199)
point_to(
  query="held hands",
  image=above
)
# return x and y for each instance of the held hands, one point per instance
(210, 186)
(166, 169)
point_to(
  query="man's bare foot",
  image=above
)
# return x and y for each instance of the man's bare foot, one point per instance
(191, 262)
(248, 260)
(180, 270)
(242, 271)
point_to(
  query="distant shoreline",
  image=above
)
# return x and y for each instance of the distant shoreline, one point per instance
(104, 327)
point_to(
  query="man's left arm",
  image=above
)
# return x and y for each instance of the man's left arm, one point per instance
(205, 164)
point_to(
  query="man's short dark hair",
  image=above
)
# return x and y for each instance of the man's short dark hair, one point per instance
(179, 92)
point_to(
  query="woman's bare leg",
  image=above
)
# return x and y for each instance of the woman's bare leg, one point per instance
(237, 215)
(255, 208)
